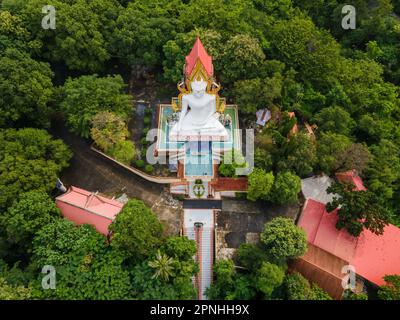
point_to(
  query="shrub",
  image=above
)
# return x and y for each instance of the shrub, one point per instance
(232, 160)
(260, 184)
(148, 168)
(123, 151)
(108, 129)
(286, 187)
(146, 120)
(298, 288)
(140, 163)
(144, 142)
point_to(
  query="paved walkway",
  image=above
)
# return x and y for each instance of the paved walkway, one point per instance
(202, 204)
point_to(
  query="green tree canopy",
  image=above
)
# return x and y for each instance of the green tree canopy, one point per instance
(250, 256)
(241, 58)
(14, 34)
(259, 184)
(233, 159)
(8, 292)
(283, 240)
(254, 94)
(286, 188)
(357, 210)
(143, 28)
(60, 242)
(268, 278)
(335, 119)
(86, 268)
(162, 266)
(298, 288)
(297, 155)
(384, 169)
(108, 129)
(147, 287)
(312, 52)
(25, 90)
(83, 31)
(180, 248)
(29, 160)
(391, 290)
(136, 230)
(329, 146)
(86, 96)
(168, 273)
(336, 152)
(224, 274)
(25, 217)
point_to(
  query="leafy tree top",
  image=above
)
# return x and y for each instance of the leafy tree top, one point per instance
(358, 210)
(283, 240)
(86, 96)
(136, 230)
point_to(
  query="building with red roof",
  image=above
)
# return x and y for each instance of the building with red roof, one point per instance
(373, 256)
(84, 207)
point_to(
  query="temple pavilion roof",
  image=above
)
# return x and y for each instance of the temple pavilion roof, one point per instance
(198, 53)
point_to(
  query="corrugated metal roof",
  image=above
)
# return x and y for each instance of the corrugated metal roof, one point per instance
(373, 256)
(315, 188)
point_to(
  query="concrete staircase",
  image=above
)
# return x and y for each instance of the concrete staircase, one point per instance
(199, 226)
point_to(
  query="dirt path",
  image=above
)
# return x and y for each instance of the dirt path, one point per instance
(89, 171)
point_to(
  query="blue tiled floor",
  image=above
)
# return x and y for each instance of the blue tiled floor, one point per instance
(198, 162)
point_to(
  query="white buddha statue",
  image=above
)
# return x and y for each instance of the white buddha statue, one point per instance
(198, 119)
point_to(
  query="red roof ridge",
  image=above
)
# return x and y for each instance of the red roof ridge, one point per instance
(90, 196)
(198, 52)
(353, 177)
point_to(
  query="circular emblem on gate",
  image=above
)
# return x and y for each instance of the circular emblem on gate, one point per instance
(199, 189)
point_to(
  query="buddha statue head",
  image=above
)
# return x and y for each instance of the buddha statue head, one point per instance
(198, 88)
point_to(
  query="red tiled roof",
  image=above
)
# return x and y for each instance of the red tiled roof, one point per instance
(198, 52)
(91, 202)
(372, 256)
(352, 177)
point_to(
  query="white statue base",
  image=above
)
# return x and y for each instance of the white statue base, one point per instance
(212, 131)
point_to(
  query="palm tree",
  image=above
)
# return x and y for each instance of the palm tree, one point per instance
(162, 265)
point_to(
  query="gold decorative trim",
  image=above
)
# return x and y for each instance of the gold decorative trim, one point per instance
(199, 74)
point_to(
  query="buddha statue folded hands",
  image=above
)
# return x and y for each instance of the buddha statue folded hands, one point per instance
(198, 119)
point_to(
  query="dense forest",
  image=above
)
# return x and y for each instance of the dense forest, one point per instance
(286, 55)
